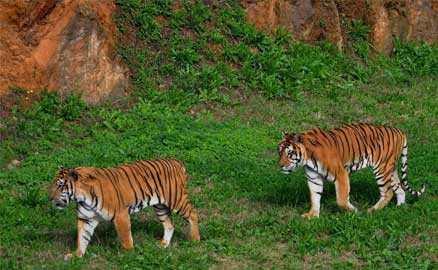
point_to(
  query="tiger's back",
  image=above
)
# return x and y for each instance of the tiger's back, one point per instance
(358, 146)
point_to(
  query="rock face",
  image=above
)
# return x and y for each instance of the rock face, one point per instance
(314, 20)
(309, 21)
(67, 46)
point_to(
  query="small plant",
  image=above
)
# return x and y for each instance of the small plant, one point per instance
(358, 38)
(71, 107)
(416, 59)
(49, 102)
(358, 31)
(32, 197)
(196, 15)
(216, 37)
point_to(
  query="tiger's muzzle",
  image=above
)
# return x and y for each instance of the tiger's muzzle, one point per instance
(60, 204)
(288, 170)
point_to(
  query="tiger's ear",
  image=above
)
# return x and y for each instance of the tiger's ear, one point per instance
(74, 174)
(298, 138)
(85, 174)
(284, 134)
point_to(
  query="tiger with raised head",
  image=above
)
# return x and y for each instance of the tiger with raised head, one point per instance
(332, 154)
(112, 194)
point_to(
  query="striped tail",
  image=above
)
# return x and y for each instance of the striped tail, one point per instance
(404, 177)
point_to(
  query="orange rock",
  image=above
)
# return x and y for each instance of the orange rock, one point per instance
(67, 46)
(308, 20)
(314, 20)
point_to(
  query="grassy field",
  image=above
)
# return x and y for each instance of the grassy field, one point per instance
(221, 110)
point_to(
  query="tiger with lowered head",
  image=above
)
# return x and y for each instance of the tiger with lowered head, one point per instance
(332, 154)
(112, 194)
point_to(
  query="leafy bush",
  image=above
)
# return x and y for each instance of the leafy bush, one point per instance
(39, 126)
(71, 107)
(416, 59)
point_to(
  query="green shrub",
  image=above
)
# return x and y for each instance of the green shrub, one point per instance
(416, 59)
(71, 108)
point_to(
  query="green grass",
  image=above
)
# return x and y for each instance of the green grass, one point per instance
(222, 113)
(249, 211)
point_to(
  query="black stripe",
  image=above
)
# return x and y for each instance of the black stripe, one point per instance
(130, 184)
(93, 198)
(86, 238)
(382, 185)
(309, 179)
(151, 170)
(181, 207)
(83, 214)
(166, 180)
(143, 173)
(111, 178)
(359, 143)
(134, 174)
(350, 147)
(101, 192)
(86, 221)
(187, 209)
(172, 179)
(159, 178)
(88, 233)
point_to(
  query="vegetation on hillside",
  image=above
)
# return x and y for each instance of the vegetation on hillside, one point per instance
(198, 53)
(212, 91)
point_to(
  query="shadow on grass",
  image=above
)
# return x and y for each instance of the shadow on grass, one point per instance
(294, 192)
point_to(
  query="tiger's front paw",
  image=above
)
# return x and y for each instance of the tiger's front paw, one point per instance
(68, 256)
(371, 209)
(164, 243)
(311, 214)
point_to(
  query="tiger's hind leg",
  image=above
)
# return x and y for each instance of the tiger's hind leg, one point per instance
(194, 226)
(398, 188)
(384, 181)
(163, 213)
(189, 213)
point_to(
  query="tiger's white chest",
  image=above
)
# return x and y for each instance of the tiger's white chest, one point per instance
(315, 169)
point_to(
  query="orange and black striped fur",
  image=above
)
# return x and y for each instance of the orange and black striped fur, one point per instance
(332, 154)
(112, 194)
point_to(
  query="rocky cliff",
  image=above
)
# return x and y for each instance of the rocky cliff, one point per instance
(316, 20)
(67, 46)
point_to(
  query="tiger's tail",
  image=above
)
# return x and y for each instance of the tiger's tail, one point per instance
(404, 177)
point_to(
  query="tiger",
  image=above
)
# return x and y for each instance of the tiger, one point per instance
(112, 194)
(330, 155)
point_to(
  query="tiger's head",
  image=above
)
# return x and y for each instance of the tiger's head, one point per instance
(63, 187)
(292, 152)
